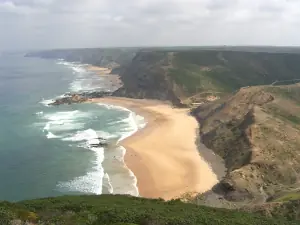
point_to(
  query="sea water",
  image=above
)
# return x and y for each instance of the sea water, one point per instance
(46, 151)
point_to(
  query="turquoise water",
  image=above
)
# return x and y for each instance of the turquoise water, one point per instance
(45, 151)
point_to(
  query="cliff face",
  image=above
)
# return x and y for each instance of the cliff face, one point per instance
(257, 133)
(147, 77)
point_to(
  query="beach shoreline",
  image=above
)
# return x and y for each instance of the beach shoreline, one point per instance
(105, 72)
(164, 155)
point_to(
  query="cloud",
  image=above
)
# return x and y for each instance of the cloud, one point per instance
(89, 23)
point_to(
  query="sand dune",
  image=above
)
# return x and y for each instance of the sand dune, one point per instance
(164, 156)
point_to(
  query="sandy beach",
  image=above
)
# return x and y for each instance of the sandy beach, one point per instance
(164, 155)
(99, 70)
(105, 72)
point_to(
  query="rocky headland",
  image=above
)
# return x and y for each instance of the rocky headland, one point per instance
(72, 98)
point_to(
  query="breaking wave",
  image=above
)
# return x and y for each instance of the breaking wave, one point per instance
(109, 173)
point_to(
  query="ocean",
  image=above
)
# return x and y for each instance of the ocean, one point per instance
(46, 151)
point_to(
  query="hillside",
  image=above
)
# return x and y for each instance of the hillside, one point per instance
(146, 77)
(256, 132)
(192, 76)
(96, 210)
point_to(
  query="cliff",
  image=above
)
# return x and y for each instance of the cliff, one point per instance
(147, 77)
(257, 133)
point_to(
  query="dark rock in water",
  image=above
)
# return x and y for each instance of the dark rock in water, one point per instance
(70, 98)
(102, 143)
(74, 98)
(99, 145)
(96, 94)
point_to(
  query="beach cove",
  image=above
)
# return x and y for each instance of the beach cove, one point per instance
(164, 155)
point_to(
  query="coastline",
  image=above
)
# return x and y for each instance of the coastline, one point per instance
(105, 72)
(164, 155)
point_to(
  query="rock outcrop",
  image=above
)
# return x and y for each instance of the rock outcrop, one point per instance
(74, 98)
(79, 98)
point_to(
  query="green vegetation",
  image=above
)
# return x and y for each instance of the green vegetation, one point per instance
(227, 71)
(290, 209)
(284, 114)
(287, 197)
(123, 210)
(291, 92)
(284, 111)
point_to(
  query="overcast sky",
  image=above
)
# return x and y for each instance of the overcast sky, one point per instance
(96, 23)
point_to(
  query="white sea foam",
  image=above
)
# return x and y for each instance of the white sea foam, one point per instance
(64, 121)
(61, 126)
(135, 122)
(114, 107)
(85, 80)
(46, 102)
(62, 62)
(90, 136)
(66, 115)
(122, 182)
(132, 123)
(132, 191)
(82, 85)
(79, 69)
(46, 127)
(106, 135)
(51, 136)
(81, 82)
(121, 178)
(107, 184)
(91, 182)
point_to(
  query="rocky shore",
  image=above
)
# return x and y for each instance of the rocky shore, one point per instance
(71, 98)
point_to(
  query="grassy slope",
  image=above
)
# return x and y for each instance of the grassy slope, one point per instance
(124, 210)
(192, 75)
(289, 208)
(227, 71)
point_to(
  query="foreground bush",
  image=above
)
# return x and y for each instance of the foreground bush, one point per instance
(124, 210)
